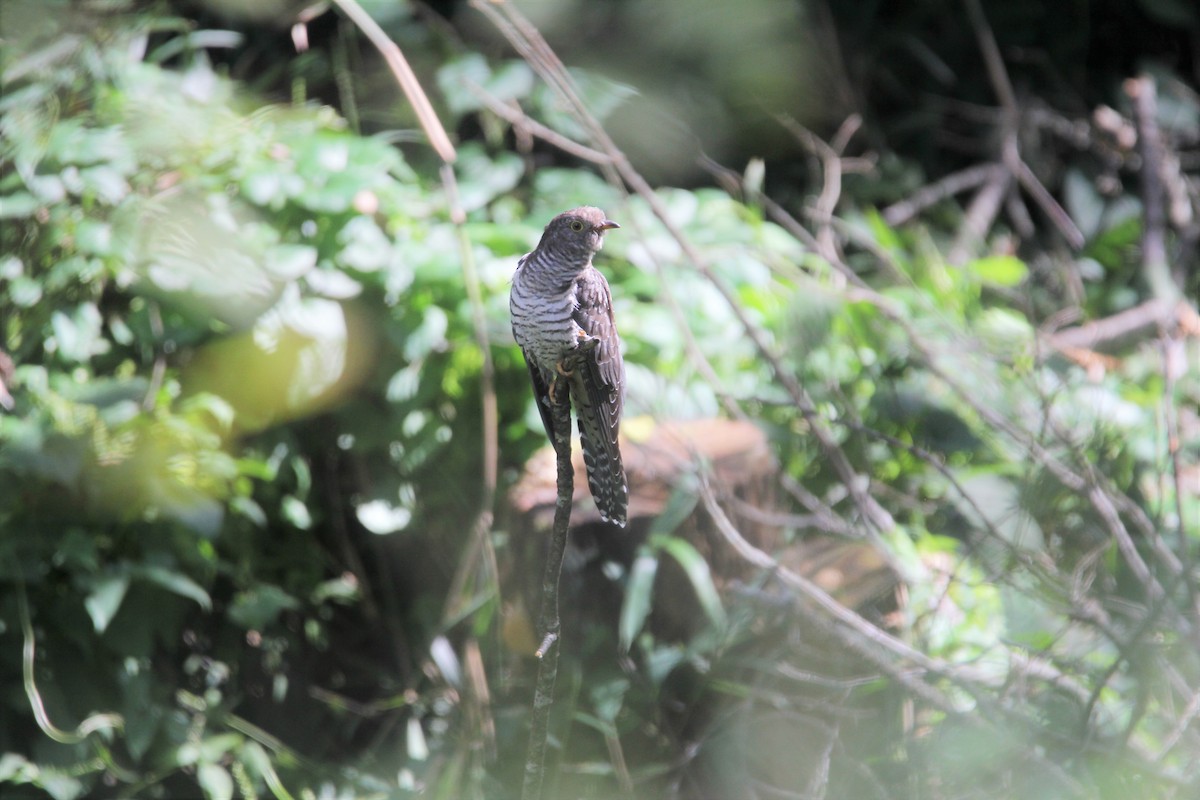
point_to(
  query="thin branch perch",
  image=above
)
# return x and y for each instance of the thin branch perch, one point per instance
(548, 620)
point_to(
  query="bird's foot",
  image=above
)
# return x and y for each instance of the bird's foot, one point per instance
(586, 342)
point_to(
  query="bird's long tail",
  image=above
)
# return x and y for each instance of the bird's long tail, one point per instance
(598, 438)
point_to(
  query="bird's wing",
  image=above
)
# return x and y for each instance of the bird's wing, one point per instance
(594, 313)
(598, 391)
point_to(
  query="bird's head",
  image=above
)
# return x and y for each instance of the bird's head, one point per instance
(580, 229)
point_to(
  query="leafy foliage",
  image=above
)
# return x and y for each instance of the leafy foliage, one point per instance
(238, 478)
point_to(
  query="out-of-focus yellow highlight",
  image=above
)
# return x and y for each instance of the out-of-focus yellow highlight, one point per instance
(301, 357)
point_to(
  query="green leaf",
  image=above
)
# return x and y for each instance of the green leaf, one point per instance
(700, 576)
(1000, 270)
(288, 262)
(25, 292)
(608, 698)
(1004, 330)
(255, 609)
(367, 248)
(482, 178)
(215, 781)
(18, 204)
(104, 183)
(93, 237)
(638, 597)
(455, 78)
(600, 95)
(78, 336)
(428, 336)
(256, 758)
(105, 598)
(296, 512)
(679, 507)
(174, 582)
(512, 80)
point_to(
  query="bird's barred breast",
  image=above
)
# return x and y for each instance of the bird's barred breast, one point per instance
(543, 324)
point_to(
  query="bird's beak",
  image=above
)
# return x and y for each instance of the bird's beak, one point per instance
(608, 223)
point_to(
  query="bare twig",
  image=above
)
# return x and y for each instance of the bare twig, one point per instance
(1189, 715)
(991, 56)
(404, 76)
(1154, 219)
(1171, 415)
(1002, 86)
(980, 214)
(851, 628)
(1142, 319)
(831, 190)
(547, 652)
(931, 194)
(513, 115)
(1050, 207)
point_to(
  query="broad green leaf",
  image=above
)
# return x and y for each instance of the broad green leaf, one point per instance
(428, 336)
(699, 575)
(256, 608)
(287, 262)
(483, 177)
(638, 597)
(296, 512)
(600, 95)
(174, 582)
(143, 715)
(214, 748)
(511, 80)
(25, 292)
(104, 599)
(78, 335)
(1006, 331)
(457, 76)
(105, 183)
(343, 589)
(367, 248)
(18, 204)
(255, 757)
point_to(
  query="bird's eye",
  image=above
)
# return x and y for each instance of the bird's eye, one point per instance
(576, 225)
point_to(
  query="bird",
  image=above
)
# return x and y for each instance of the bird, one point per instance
(560, 302)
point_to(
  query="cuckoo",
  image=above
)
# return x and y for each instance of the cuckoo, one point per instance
(559, 302)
